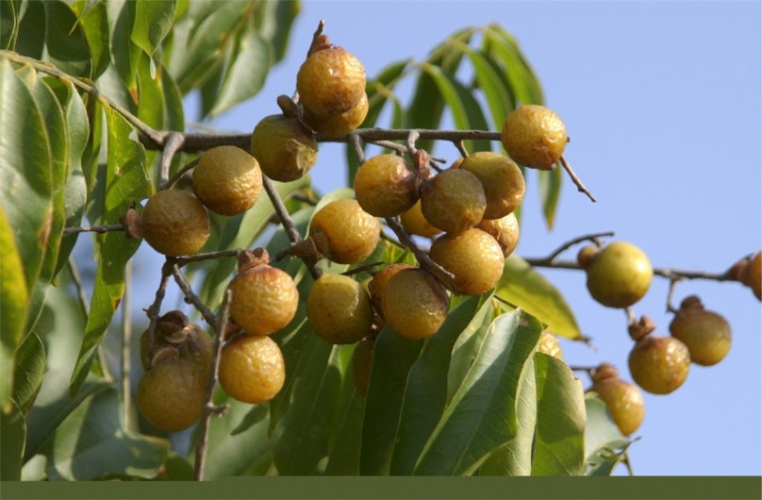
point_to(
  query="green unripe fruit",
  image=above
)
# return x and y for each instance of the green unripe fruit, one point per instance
(658, 364)
(705, 333)
(619, 275)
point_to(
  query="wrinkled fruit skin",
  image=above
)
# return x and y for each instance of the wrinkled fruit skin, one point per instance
(284, 148)
(197, 348)
(755, 275)
(227, 180)
(534, 136)
(385, 186)
(252, 369)
(341, 124)
(705, 333)
(344, 232)
(619, 275)
(171, 394)
(377, 285)
(415, 304)
(658, 364)
(503, 182)
(362, 364)
(505, 231)
(473, 257)
(454, 201)
(624, 401)
(339, 309)
(413, 222)
(330, 82)
(175, 223)
(264, 299)
(550, 345)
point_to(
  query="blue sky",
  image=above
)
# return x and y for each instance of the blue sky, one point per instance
(662, 102)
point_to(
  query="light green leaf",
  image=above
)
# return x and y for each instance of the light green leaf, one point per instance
(604, 442)
(29, 370)
(126, 183)
(12, 439)
(559, 442)
(174, 114)
(523, 286)
(274, 22)
(153, 21)
(124, 53)
(150, 95)
(93, 19)
(503, 47)
(550, 182)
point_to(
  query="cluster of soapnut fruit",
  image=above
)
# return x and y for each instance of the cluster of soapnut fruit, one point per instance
(467, 210)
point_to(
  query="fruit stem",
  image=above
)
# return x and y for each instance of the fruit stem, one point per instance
(190, 296)
(173, 143)
(550, 260)
(576, 180)
(153, 311)
(185, 168)
(672, 284)
(440, 273)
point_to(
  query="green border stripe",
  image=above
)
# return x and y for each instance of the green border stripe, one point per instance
(745, 487)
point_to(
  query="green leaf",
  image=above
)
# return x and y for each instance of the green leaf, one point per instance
(274, 22)
(65, 40)
(604, 442)
(503, 47)
(523, 286)
(29, 370)
(393, 358)
(30, 39)
(561, 419)
(14, 295)
(550, 182)
(13, 434)
(426, 108)
(92, 443)
(482, 416)
(93, 19)
(150, 96)
(247, 74)
(426, 392)
(344, 459)
(174, 114)
(124, 53)
(9, 23)
(302, 436)
(153, 21)
(126, 183)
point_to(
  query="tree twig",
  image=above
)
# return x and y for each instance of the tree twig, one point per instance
(550, 259)
(576, 180)
(442, 274)
(126, 306)
(94, 229)
(171, 146)
(153, 311)
(190, 295)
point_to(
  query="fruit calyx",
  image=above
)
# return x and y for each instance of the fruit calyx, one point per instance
(249, 259)
(604, 371)
(641, 328)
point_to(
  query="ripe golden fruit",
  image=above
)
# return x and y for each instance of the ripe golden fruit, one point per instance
(377, 285)
(330, 82)
(619, 275)
(503, 182)
(362, 364)
(385, 186)
(473, 257)
(550, 345)
(623, 399)
(175, 223)
(285, 149)
(252, 369)
(705, 333)
(339, 309)
(415, 304)
(341, 124)
(227, 180)
(171, 394)
(659, 364)
(505, 230)
(755, 275)
(453, 200)
(413, 222)
(534, 136)
(264, 298)
(344, 232)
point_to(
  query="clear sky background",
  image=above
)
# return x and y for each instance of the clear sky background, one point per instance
(662, 102)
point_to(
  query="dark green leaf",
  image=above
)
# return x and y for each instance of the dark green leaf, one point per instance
(247, 74)
(95, 176)
(13, 433)
(91, 442)
(65, 40)
(523, 81)
(427, 107)
(93, 19)
(274, 22)
(344, 459)
(426, 392)
(177, 468)
(124, 53)
(126, 183)
(523, 286)
(153, 21)
(30, 367)
(482, 416)
(30, 39)
(174, 114)
(559, 443)
(603, 440)
(392, 360)
(9, 21)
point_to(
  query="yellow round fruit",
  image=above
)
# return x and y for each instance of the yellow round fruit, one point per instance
(619, 275)
(454, 200)
(330, 82)
(659, 364)
(705, 333)
(378, 284)
(550, 345)
(624, 400)
(175, 223)
(413, 222)
(171, 394)
(534, 136)
(343, 232)
(227, 180)
(252, 369)
(503, 182)
(505, 231)
(264, 299)
(284, 148)
(339, 309)
(385, 186)
(341, 124)
(473, 257)
(415, 304)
